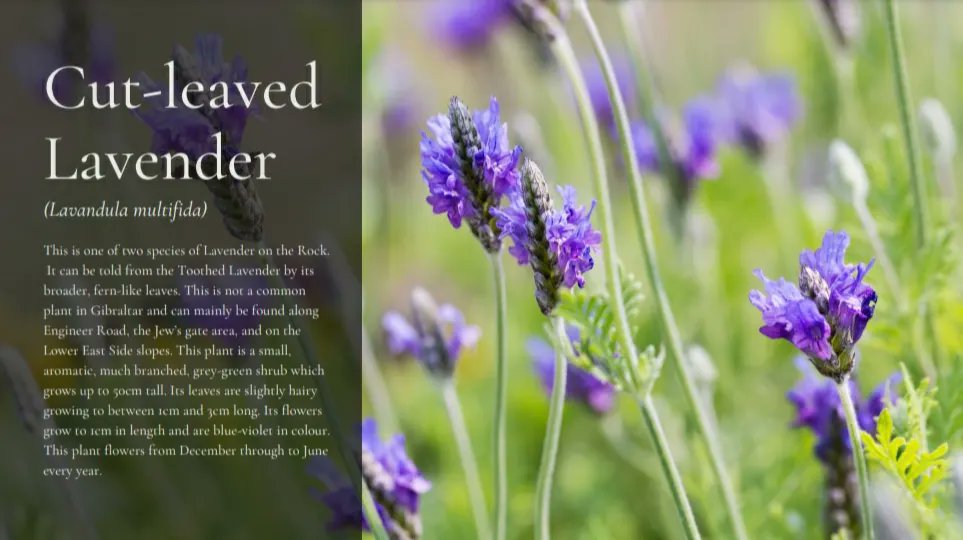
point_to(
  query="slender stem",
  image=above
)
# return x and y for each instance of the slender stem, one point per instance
(562, 48)
(501, 389)
(860, 459)
(373, 382)
(644, 231)
(911, 140)
(648, 97)
(310, 355)
(371, 514)
(910, 135)
(668, 467)
(475, 493)
(553, 431)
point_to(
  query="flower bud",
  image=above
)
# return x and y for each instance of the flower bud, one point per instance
(937, 129)
(847, 171)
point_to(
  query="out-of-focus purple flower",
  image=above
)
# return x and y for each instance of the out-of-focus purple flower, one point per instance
(435, 336)
(558, 244)
(819, 409)
(395, 483)
(206, 308)
(182, 129)
(598, 91)
(468, 166)
(757, 109)
(469, 25)
(78, 41)
(826, 314)
(692, 149)
(580, 384)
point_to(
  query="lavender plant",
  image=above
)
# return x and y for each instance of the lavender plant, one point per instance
(558, 246)
(819, 409)
(436, 336)
(824, 317)
(548, 25)
(469, 166)
(581, 385)
(390, 477)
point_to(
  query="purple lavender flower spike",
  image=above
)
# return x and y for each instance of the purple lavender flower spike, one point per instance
(557, 244)
(580, 385)
(395, 483)
(469, 25)
(435, 336)
(468, 166)
(758, 109)
(79, 41)
(181, 129)
(826, 314)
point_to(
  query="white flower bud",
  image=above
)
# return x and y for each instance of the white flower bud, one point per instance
(847, 171)
(937, 129)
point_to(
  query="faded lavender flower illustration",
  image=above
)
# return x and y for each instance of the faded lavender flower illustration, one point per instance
(469, 165)
(580, 385)
(557, 244)
(435, 335)
(826, 313)
(191, 131)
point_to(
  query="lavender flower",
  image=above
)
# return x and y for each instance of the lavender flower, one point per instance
(435, 336)
(79, 41)
(182, 129)
(692, 149)
(395, 483)
(757, 109)
(580, 385)
(191, 130)
(818, 408)
(469, 25)
(558, 244)
(826, 314)
(468, 166)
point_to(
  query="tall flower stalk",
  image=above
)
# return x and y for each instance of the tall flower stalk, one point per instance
(435, 336)
(910, 134)
(468, 166)
(644, 231)
(824, 316)
(551, 29)
(911, 142)
(558, 246)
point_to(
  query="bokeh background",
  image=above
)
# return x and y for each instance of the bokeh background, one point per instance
(608, 482)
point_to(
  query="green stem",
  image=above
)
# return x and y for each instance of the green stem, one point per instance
(371, 514)
(668, 467)
(648, 97)
(644, 231)
(911, 141)
(907, 120)
(860, 459)
(501, 389)
(553, 431)
(562, 48)
(310, 354)
(475, 493)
